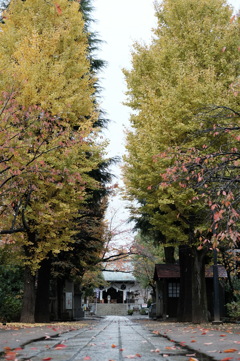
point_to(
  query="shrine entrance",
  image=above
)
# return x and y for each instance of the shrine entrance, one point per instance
(113, 296)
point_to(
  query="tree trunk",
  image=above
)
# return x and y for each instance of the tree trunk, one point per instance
(60, 286)
(185, 299)
(199, 296)
(169, 254)
(28, 306)
(42, 313)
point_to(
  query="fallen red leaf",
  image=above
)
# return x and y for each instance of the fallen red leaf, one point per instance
(58, 8)
(87, 358)
(193, 341)
(222, 336)
(227, 358)
(18, 349)
(113, 346)
(10, 355)
(230, 350)
(47, 358)
(138, 355)
(60, 346)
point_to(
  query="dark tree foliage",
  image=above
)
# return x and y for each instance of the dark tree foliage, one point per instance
(11, 289)
(96, 64)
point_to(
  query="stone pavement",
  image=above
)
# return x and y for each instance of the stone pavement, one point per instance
(219, 342)
(116, 338)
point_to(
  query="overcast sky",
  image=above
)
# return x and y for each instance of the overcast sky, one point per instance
(119, 23)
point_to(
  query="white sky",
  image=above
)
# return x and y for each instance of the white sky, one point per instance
(119, 23)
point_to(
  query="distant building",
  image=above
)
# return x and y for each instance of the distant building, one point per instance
(121, 294)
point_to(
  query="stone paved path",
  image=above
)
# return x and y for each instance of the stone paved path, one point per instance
(114, 338)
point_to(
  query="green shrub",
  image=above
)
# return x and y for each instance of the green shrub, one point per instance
(234, 310)
(10, 308)
(11, 289)
(130, 312)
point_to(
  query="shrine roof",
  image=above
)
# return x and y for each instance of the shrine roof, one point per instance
(118, 276)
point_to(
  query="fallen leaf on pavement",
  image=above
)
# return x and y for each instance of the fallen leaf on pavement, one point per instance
(113, 346)
(182, 343)
(230, 350)
(130, 356)
(87, 358)
(193, 359)
(60, 346)
(227, 359)
(47, 359)
(10, 355)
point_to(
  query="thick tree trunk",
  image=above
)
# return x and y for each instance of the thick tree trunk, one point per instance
(28, 307)
(42, 313)
(169, 254)
(60, 285)
(185, 299)
(199, 296)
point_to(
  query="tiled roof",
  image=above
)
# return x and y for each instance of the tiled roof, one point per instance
(115, 276)
(167, 271)
(173, 271)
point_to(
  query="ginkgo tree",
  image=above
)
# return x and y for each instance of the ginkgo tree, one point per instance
(49, 146)
(191, 63)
